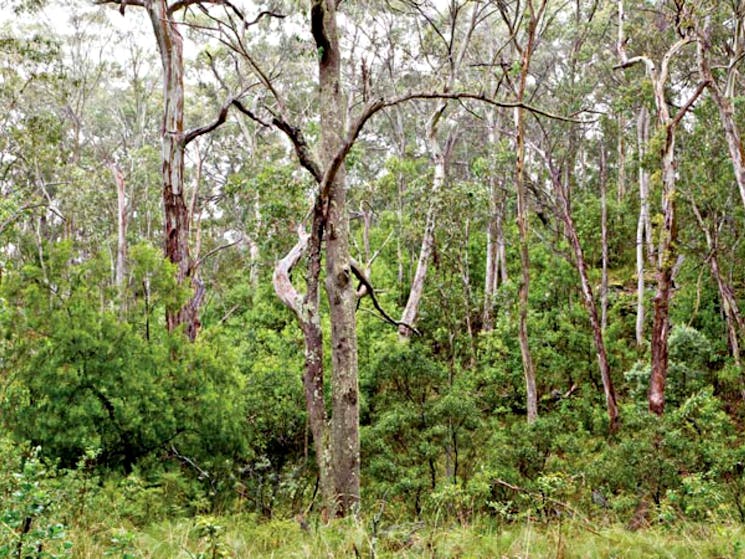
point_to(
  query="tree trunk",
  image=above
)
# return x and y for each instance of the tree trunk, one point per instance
(643, 227)
(726, 115)
(342, 296)
(666, 261)
(603, 179)
(524, 289)
(621, 165)
(121, 237)
(589, 301)
(411, 310)
(667, 250)
(306, 309)
(439, 159)
(523, 226)
(731, 309)
(496, 266)
(170, 47)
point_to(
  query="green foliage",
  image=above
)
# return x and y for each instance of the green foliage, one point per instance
(690, 360)
(31, 497)
(84, 380)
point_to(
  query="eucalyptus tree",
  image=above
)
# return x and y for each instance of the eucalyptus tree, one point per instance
(659, 75)
(568, 163)
(452, 40)
(524, 24)
(720, 30)
(174, 140)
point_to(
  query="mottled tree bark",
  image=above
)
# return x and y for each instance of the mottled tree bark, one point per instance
(342, 296)
(306, 309)
(176, 224)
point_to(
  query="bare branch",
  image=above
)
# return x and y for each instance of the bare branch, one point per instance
(18, 213)
(263, 14)
(220, 120)
(376, 106)
(629, 62)
(214, 251)
(360, 275)
(121, 3)
(689, 103)
(250, 114)
(303, 152)
(183, 4)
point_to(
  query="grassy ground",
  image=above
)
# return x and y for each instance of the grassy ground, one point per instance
(239, 537)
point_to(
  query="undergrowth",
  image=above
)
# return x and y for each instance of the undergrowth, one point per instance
(243, 537)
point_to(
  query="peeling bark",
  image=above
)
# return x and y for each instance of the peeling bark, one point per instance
(177, 223)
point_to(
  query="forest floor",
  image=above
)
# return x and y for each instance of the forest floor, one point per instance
(236, 537)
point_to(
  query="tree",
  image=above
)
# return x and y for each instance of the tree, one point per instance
(667, 250)
(174, 139)
(534, 15)
(439, 151)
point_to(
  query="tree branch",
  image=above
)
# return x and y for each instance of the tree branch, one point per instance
(281, 279)
(220, 120)
(303, 152)
(242, 108)
(690, 102)
(360, 275)
(377, 105)
(121, 3)
(214, 251)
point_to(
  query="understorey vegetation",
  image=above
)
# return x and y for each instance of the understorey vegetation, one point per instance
(411, 279)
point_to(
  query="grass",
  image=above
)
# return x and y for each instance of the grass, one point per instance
(244, 537)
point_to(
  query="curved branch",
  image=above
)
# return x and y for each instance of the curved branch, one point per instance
(121, 3)
(219, 121)
(304, 154)
(214, 251)
(281, 279)
(377, 105)
(360, 275)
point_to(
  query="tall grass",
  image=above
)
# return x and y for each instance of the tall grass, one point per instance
(244, 537)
